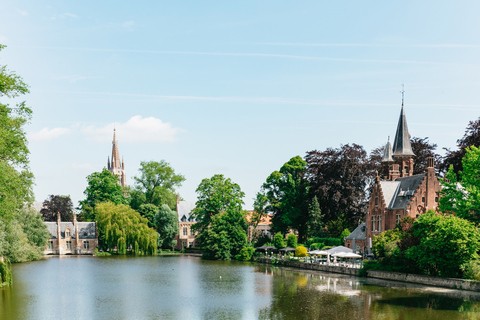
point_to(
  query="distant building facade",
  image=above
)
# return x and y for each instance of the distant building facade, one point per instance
(186, 237)
(114, 165)
(262, 229)
(72, 238)
(357, 239)
(399, 193)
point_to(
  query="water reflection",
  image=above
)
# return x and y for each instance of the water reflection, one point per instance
(189, 288)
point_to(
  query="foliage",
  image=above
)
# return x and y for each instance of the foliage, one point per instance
(57, 204)
(34, 227)
(345, 233)
(215, 195)
(259, 212)
(327, 241)
(156, 184)
(285, 195)
(454, 157)
(148, 211)
(245, 254)
(317, 245)
(225, 236)
(382, 243)
(102, 187)
(315, 216)
(279, 241)
(369, 265)
(471, 270)
(300, 251)
(462, 196)
(262, 241)
(339, 178)
(166, 223)
(423, 150)
(337, 226)
(5, 273)
(120, 226)
(292, 241)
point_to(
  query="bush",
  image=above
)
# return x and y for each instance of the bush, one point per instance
(301, 251)
(278, 241)
(262, 241)
(315, 246)
(327, 241)
(471, 270)
(292, 241)
(246, 254)
(369, 265)
(5, 273)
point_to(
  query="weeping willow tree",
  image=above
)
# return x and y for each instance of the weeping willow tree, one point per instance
(122, 227)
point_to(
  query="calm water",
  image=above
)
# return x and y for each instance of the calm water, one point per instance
(188, 288)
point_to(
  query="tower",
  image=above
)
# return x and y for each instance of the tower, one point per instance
(114, 165)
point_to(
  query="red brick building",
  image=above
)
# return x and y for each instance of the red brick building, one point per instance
(399, 193)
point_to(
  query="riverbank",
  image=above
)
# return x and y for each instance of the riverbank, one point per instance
(450, 283)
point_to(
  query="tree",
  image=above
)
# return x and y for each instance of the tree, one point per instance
(215, 195)
(259, 212)
(278, 240)
(339, 178)
(148, 211)
(57, 204)
(315, 223)
(166, 224)
(285, 195)
(157, 181)
(461, 195)
(102, 187)
(292, 241)
(121, 227)
(454, 157)
(423, 150)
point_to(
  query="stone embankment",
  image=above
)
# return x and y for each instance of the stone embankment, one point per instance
(451, 283)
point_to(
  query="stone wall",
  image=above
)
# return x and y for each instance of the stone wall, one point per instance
(313, 266)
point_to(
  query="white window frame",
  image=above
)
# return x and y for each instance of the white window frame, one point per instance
(398, 219)
(86, 245)
(379, 223)
(374, 223)
(69, 245)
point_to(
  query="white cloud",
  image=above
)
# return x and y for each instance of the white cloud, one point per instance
(48, 134)
(136, 129)
(65, 15)
(22, 12)
(128, 25)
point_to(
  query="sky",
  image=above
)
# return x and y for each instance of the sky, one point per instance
(233, 88)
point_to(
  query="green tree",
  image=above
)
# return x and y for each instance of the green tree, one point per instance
(57, 204)
(157, 182)
(148, 211)
(292, 241)
(166, 223)
(122, 227)
(278, 240)
(102, 187)
(315, 223)
(221, 222)
(286, 194)
(461, 195)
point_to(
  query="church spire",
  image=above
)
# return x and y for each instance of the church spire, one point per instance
(117, 165)
(401, 144)
(115, 153)
(388, 152)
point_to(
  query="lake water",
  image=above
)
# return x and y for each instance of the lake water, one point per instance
(181, 287)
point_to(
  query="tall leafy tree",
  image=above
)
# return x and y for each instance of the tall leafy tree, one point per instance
(286, 195)
(315, 222)
(339, 178)
(102, 187)
(221, 220)
(148, 211)
(423, 149)
(454, 157)
(57, 204)
(157, 183)
(166, 223)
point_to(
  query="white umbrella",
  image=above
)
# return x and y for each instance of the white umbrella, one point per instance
(351, 255)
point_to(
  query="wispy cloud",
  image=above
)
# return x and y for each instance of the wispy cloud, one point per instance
(65, 15)
(246, 54)
(22, 12)
(128, 25)
(75, 78)
(48, 134)
(367, 45)
(137, 129)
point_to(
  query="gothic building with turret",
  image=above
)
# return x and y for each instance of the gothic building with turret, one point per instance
(114, 166)
(397, 193)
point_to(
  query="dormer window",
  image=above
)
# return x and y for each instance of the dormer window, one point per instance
(184, 219)
(67, 233)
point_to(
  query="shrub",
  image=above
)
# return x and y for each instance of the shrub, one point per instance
(292, 241)
(327, 241)
(263, 241)
(301, 251)
(369, 265)
(5, 273)
(318, 245)
(471, 270)
(246, 254)
(278, 241)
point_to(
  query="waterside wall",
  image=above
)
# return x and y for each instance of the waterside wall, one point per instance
(451, 283)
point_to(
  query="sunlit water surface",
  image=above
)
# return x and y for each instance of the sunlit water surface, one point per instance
(180, 287)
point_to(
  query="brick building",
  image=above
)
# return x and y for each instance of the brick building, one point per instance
(398, 193)
(262, 229)
(71, 237)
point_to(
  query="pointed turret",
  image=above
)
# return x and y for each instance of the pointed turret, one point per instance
(401, 144)
(115, 153)
(117, 165)
(388, 152)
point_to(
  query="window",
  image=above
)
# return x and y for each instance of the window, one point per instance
(192, 233)
(436, 199)
(50, 245)
(69, 245)
(423, 199)
(185, 231)
(348, 245)
(86, 245)
(379, 223)
(376, 201)
(67, 233)
(374, 224)
(184, 244)
(190, 244)
(398, 219)
(406, 169)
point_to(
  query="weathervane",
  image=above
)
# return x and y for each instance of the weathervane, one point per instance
(403, 93)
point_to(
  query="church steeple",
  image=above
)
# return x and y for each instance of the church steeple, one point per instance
(387, 152)
(401, 144)
(117, 166)
(115, 153)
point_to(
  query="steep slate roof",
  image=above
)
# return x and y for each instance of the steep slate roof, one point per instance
(358, 233)
(401, 144)
(389, 188)
(404, 192)
(388, 152)
(184, 209)
(86, 230)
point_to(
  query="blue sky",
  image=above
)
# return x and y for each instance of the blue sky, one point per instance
(234, 88)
